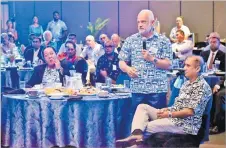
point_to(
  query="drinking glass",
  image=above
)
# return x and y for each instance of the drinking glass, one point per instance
(22, 84)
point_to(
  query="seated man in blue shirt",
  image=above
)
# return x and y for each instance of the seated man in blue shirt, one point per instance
(108, 64)
(183, 117)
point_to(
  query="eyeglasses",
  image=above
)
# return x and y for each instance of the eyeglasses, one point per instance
(35, 41)
(103, 38)
(70, 49)
(110, 46)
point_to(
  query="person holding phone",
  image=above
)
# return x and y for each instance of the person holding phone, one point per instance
(150, 55)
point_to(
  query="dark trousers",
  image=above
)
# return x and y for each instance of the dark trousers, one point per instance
(218, 99)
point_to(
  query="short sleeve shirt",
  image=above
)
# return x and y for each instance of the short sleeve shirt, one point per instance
(57, 29)
(150, 78)
(195, 96)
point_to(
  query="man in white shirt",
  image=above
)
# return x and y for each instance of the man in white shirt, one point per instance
(93, 50)
(182, 48)
(180, 26)
(71, 37)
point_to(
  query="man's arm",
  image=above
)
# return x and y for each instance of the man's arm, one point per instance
(160, 63)
(186, 112)
(186, 47)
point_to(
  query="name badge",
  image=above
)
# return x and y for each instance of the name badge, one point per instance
(114, 67)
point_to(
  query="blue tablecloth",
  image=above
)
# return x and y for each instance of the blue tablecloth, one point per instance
(10, 77)
(90, 122)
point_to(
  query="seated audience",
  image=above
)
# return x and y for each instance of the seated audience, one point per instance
(108, 64)
(103, 38)
(10, 28)
(8, 50)
(93, 51)
(221, 47)
(36, 28)
(183, 117)
(69, 57)
(210, 56)
(182, 48)
(51, 72)
(219, 94)
(179, 26)
(33, 53)
(71, 37)
(117, 42)
(47, 35)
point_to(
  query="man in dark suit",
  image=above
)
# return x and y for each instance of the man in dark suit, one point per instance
(214, 55)
(33, 53)
(219, 94)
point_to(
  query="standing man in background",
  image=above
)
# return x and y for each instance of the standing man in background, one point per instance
(58, 29)
(148, 64)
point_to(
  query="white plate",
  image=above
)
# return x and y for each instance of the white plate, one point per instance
(56, 97)
(122, 94)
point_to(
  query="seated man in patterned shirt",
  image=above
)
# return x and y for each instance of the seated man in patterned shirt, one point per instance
(107, 65)
(183, 117)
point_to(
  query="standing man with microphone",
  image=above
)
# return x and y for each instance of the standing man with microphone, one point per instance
(150, 55)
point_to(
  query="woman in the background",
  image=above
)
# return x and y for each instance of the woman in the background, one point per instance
(8, 50)
(35, 27)
(10, 29)
(51, 72)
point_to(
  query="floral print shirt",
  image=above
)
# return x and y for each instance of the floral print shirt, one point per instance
(195, 96)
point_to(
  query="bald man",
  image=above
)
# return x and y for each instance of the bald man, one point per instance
(93, 51)
(148, 66)
(183, 117)
(117, 42)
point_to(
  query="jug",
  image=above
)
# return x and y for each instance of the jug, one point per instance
(74, 82)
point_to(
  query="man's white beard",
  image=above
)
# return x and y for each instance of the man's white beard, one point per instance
(148, 30)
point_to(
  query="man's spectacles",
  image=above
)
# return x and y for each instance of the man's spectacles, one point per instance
(70, 49)
(103, 38)
(109, 46)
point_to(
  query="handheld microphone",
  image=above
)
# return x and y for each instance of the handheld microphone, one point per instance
(144, 45)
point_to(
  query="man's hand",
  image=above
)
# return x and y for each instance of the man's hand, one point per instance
(162, 114)
(147, 56)
(104, 73)
(132, 72)
(216, 89)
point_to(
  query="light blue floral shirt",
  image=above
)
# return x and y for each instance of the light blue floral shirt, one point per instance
(57, 29)
(150, 79)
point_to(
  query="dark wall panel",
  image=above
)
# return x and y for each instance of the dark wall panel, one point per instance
(76, 15)
(24, 12)
(105, 10)
(128, 11)
(44, 10)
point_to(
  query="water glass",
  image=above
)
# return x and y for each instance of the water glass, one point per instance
(108, 82)
(126, 84)
(98, 86)
(22, 84)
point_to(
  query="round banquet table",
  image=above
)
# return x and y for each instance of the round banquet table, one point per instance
(43, 122)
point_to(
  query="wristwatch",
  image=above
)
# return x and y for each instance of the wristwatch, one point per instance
(155, 60)
(170, 114)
